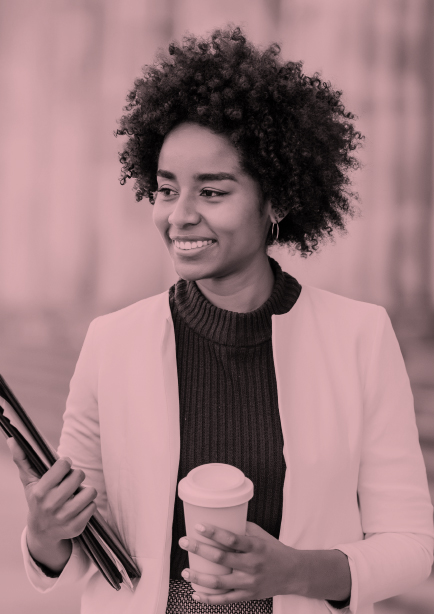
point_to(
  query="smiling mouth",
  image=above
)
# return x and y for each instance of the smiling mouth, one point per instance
(192, 246)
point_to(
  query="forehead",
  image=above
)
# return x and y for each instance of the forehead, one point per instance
(190, 144)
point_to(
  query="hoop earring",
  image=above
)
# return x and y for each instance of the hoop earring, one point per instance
(272, 230)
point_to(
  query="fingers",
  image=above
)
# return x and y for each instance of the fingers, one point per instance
(57, 485)
(223, 598)
(59, 506)
(68, 486)
(240, 543)
(230, 559)
(74, 506)
(228, 582)
(53, 523)
(27, 475)
(56, 494)
(77, 524)
(55, 475)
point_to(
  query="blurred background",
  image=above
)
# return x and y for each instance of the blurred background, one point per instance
(74, 244)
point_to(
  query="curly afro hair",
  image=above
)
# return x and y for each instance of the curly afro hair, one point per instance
(291, 131)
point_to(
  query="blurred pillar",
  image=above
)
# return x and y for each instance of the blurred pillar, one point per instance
(380, 54)
(70, 236)
(134, 262)
(51, 65)
(337, 39)
(411, 254)
(75, 125)
(26, 136)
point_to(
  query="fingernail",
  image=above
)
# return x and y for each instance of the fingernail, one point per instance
(196, 597)
(183, 542)
(185, 574)
(200, 528)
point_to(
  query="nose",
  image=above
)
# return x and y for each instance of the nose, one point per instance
(184, 212)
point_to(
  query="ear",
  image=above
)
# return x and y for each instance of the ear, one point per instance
(274, 217)
(269, 212)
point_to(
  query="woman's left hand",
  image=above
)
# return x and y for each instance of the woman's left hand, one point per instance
(262, 565)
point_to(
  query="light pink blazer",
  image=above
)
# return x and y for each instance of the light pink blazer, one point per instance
(355, 479)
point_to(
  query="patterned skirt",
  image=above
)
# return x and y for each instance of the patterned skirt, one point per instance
(180, 602)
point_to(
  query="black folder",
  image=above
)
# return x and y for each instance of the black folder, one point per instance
(98, 539)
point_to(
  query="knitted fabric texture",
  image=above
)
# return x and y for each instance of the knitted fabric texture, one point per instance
(228, 400)
(180, 601)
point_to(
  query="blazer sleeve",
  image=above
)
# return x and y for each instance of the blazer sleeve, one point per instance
(396, 553)
(80, 441)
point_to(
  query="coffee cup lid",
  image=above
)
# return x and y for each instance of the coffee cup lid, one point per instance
(215, 485)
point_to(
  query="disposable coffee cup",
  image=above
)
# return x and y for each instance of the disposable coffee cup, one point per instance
(217, 494)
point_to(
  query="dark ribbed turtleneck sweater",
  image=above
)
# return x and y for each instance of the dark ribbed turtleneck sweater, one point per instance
(228, 397)
(228, 401)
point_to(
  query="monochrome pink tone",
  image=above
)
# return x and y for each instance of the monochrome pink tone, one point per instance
(348, 425)
(72, 240)
(74, 244)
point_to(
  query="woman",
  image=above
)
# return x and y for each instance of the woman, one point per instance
(303, 390)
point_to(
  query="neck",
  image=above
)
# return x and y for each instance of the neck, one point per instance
(241, 291)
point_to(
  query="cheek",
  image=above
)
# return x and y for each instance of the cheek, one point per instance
(249, 227)
(241, 232)
(231, 221)
(159, 218)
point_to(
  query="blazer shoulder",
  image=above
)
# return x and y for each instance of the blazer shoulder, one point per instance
(339, 308)
(145, 310)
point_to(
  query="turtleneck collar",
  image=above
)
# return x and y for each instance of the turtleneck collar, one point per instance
(230, 327)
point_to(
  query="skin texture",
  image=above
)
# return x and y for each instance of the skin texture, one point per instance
(233, 273)
(263, 567)
(54, 516)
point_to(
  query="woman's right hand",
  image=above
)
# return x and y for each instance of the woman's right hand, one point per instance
(55, 513)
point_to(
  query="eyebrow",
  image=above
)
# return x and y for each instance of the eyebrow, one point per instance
(200, 177)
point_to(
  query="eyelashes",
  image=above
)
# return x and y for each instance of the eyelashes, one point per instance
(215, 192)
(162, 190)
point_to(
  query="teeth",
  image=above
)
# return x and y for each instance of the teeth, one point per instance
(192, 244)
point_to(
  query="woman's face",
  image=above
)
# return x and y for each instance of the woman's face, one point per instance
(204, 196)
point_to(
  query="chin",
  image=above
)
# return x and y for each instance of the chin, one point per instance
(193, 272)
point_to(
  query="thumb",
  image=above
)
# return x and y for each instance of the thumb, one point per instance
(27, 475)
(254, 530)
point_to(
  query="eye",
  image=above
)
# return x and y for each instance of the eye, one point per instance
(164, 191)
(213, 192)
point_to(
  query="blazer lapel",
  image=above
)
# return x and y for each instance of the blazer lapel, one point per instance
(316, 447)
(141, 384)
